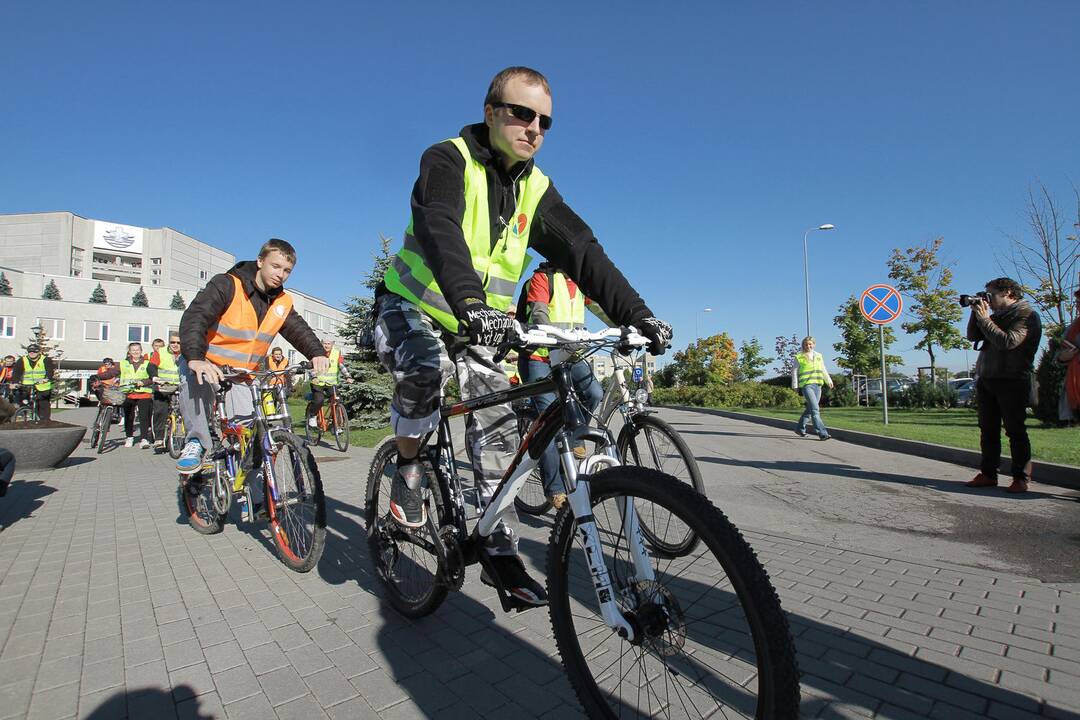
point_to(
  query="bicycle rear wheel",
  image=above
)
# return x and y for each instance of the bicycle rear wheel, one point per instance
(203, 496)
(406, 560)
(106, 423)
(648, 441)
(341, 427)
(711, 639)
(175, 434)
(298, 523)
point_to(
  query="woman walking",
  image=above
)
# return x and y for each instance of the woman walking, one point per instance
(808, 374)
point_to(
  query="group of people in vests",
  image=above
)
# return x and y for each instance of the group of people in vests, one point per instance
(147, 382)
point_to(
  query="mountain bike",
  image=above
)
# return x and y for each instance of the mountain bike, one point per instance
(699, 635)
(331, 418)
(258, 451)
(643, 439)
(110, 405)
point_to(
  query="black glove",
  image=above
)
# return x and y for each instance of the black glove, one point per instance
(656, 330)
(486, 326)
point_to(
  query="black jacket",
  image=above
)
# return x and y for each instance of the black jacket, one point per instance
(1010, 340)
(212, 301)
(438, 205)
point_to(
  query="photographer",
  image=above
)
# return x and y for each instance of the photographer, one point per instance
(1009, 330)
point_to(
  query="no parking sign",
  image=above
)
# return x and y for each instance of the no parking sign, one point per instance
(881, 304)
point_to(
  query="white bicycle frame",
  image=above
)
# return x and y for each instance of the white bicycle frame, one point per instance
(579, 495)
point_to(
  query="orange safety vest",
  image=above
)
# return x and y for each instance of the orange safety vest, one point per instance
(277, 379)
(238, 339)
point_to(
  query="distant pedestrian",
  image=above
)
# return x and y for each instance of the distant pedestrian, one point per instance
(808, 374)
(1069, 356)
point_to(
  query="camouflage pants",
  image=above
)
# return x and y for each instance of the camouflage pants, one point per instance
(421, 357)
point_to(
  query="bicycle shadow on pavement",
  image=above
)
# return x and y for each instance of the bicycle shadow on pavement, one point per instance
(22, 499)
(845, 670)
(858, 473)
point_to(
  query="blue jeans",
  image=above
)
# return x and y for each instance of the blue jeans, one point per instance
(590, 392)
(812, 394)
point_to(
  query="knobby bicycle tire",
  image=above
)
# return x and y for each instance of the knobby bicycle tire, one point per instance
(639, 442)
(731, 618)
(341, 427)
(388, 544)
(196, 496)
(106, 423)
(299, 525)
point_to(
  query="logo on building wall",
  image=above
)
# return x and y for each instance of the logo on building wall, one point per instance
(114, 236)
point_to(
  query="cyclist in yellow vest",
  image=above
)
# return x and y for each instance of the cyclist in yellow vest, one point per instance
(808, 374)
(320, 384)
(169, 362)
(479, 203)
(135, 376)
(35, 370)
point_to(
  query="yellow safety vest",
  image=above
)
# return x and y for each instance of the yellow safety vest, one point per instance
(129, 375)
(35, 374)
(498, 265)
(330, 377)
(563, 311)
(811, 372)
(167, 370)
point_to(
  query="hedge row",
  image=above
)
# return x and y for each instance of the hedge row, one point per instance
(744, 395)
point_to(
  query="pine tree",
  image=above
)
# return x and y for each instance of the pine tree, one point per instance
(98, 296)
(177, 302)
(5, 286)
(139, 299)
(51, 292)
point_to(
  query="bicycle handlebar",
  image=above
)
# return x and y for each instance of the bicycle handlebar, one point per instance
(537, 336)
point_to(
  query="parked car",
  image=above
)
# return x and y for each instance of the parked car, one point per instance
(893, 385)
(965, 391)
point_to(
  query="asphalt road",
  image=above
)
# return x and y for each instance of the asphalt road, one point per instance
(858, 498)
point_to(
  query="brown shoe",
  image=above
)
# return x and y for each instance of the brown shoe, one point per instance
(982, 480)
(557, 500)
(1018, 486)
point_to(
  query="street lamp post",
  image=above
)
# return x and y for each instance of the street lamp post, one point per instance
(697, 316)
(806, 269)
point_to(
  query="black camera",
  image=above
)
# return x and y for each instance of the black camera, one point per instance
(969, 300)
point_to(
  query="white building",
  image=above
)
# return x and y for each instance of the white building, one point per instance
(77, 254)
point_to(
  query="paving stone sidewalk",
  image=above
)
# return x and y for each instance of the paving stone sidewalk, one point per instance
(112, 607)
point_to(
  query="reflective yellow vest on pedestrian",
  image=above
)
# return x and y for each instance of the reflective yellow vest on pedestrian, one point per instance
(563, 311)
(167, 370)
(35, 374)
(330, 377)
(498, 264)
(129, 376)
(811, 372)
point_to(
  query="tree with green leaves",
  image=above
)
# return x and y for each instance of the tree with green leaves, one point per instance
(752, 361)
(98, 296)
(177, 302)
(368, 398)
(920, 274)
(707, 361)
(139, 299)
(5, 286)
(860, 346)
(51, 292)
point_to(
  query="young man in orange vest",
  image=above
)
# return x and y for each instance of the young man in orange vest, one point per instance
(233, 321)
(278, 361)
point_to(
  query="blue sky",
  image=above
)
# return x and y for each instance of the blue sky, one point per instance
(699, 140)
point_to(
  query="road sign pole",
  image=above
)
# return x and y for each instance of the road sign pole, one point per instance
(884, 383)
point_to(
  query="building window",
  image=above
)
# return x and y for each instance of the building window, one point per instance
(202, 274)
(96, 330)
(7, 326)
(53, 327)
(155, 261)
(138, 333)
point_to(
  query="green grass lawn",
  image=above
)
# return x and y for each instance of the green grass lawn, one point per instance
(360, 438)
(957, 427)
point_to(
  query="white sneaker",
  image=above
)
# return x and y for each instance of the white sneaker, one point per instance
(313, 421)
(143, 444)
(130, 442)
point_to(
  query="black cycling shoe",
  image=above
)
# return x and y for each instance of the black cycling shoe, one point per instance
(515, 580)
(406, 498)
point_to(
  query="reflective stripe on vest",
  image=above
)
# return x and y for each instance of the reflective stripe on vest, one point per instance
(330, 377)
(35, 374)
(167, 370)
(811, 372)
(129, 375)
(498, 265)
(238, 339)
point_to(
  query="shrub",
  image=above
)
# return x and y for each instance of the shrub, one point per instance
(744, 395)
(925, 394)
(1050, 375)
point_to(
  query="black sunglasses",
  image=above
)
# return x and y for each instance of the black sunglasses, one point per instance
(524, 114)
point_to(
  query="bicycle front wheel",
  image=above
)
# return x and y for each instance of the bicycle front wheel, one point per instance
(95, 431)
(201, 498)
(341, 427)
(313, 434)
(106, 423)
(298, 522)
(647, 441)
(24, 415)
(175, 433)
(406, 560)
(711, 639)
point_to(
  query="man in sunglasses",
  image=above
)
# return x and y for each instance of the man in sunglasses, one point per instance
(478, 205)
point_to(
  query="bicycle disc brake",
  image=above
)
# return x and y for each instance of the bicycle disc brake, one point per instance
(658, 618)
